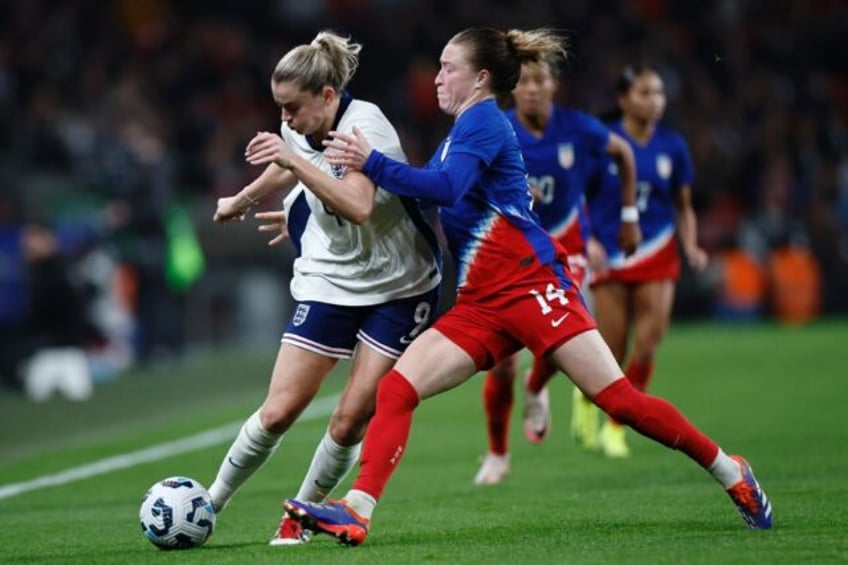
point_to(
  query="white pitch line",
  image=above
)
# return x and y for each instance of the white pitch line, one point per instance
(320, 408)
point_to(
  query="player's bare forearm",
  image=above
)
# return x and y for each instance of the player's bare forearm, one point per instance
(351, 197)
(235, 208)
(687, 231)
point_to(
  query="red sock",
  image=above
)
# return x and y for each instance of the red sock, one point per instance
(387, 433)
(540, 374)
(497, 402)
(657, 419)
(639, 374)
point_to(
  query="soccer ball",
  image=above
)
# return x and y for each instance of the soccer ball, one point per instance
(177, 513)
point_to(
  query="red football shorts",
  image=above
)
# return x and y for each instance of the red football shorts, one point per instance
(664, 264)
(540, 312)
(578, 267)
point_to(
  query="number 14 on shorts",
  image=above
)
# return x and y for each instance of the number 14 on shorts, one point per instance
(552, 295)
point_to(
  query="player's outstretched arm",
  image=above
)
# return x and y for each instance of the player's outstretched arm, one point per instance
(460, 171)
(351, 197)
(234, 208)
(630, 234)
(687, 229)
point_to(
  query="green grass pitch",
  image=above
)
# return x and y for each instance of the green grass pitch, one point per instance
(776, 395)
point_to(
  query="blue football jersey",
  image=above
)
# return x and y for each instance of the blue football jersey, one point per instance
(561, 164)
(492, 230)
(663, 167)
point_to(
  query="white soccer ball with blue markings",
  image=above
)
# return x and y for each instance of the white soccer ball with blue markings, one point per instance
(177, 513)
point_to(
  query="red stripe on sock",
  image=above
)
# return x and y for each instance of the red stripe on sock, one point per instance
(497, 403)
(388, 433)
(639, 374)
(657, 419)
(540, 375)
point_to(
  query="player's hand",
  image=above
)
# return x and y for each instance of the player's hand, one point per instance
(267, 148)
(230, 209)
(276, 222)
(349, 150)
(597, 256)
(629, 237)
(697, 258)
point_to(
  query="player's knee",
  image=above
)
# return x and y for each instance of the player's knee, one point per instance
(276, 419)
(349, 429)
(652, 337)
(645, 348)
(504, 371)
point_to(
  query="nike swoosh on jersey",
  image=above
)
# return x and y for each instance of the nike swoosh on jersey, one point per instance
(558, 321)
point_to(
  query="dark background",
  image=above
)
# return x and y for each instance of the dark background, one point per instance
(110, 112)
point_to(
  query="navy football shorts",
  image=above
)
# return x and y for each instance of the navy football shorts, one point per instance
(334, 331)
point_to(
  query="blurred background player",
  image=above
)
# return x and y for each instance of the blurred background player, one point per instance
(513, 286)
(562, 148)
(633, 295)
(366, 277)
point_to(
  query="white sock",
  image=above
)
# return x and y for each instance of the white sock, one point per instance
(725, 470)
(361, 502)
(251, 448)
(330, 465)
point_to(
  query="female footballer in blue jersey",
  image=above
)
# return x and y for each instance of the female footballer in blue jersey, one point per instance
(634, 293)
(365, 279)
(563, 150)
(513, 286)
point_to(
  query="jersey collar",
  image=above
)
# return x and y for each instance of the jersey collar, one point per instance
(343, 104)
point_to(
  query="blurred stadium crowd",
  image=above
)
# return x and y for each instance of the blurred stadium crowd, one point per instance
(119, 120)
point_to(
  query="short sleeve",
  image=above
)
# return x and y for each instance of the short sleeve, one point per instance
(684, 170)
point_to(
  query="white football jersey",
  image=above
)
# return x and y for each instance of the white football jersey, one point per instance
(392, 255)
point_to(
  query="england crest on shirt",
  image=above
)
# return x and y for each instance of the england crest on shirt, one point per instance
(565, 155)
(300, 314)
(338, 171)
(663, 166)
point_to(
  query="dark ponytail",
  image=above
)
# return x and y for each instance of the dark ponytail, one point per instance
(625, 82)
(503, 52)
